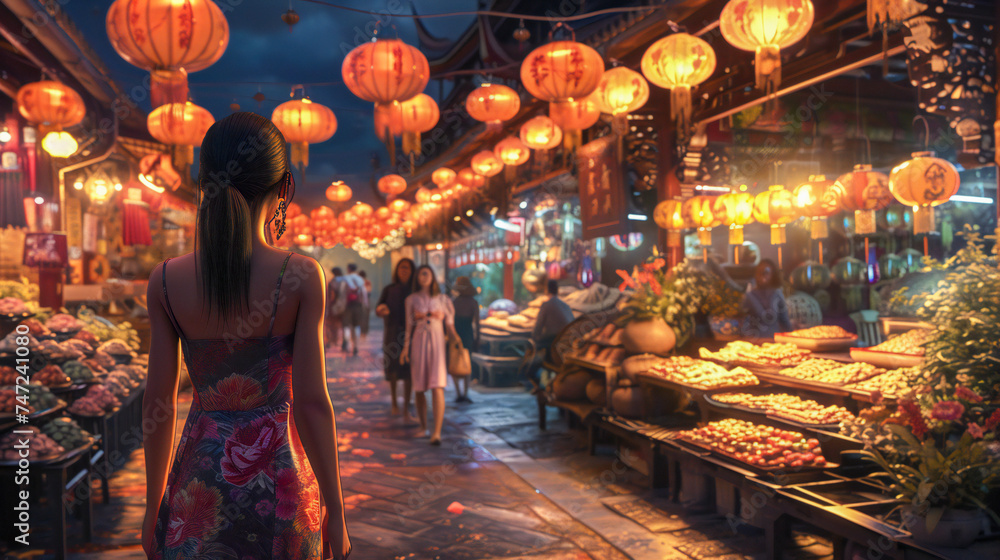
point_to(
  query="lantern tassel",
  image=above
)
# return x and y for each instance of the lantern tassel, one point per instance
(864, 222)
(681, 108)
(168, 86)
(778, 236)
(923, 220)
(300, 154)
(735, 235)
(820, 228)
(572, 139)
(768, 68)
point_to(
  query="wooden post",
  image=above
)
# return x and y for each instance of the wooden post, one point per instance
(666, 177)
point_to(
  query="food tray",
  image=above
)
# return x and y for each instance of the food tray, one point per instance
(69, 454)
(666, 383)
(16, 317)
(796, 383)
(770, 470)
(795, 424)
(818, 344)
(36, 414)
(886, 360)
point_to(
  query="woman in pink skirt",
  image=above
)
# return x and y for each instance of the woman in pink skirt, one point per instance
(428, 314)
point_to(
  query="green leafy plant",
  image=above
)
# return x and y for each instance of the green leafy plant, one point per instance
(934, 479)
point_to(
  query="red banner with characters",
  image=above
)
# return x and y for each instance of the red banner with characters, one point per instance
(603, 208)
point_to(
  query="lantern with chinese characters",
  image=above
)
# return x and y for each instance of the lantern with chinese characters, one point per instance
(669, 215)
(52, 106)
(168, 38)
(620, 92)
(182, 125)
(863, 191)
(573, 117)
(493, 104)
(679, 62)
(486, 163)
(339, 192)
(443, 176)
(561, 71)
(766, 27)
(699, 211)
(735, 210)
(407, 119)
(923, 183)
(392, 185)
(303, 122)
(541, 133)
(811, 202)
(384, 71)
(775, 207)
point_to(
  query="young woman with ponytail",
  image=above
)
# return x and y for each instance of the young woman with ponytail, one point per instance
(256, 472)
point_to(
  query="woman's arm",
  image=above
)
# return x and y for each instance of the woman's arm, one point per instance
(159, 403)
(409, 328)
(449, 315)
(312, 410)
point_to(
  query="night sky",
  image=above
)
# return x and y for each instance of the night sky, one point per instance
(263, 54)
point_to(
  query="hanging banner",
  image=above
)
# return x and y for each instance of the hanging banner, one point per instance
(90, 233)
(603, 210)
(74, 222)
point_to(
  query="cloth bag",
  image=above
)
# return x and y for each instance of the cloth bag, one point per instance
(459, 360)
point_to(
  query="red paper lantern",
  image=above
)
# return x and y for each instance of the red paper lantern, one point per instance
(561, 71)
(392, 185)
(384, 71)
(493, 104)
(303, 122)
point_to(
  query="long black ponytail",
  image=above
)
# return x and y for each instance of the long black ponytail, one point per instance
(243, 166)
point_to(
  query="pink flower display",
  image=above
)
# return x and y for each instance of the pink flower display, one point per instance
(975, 431)
(947, 410)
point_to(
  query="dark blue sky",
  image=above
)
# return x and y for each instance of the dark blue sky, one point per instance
(263, 54)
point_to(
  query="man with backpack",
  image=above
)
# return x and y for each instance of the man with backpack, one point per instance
(354, 298)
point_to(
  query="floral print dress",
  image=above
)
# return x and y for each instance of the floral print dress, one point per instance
(240, 486)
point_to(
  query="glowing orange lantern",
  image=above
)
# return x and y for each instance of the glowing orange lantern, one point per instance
(392, 185)
(573, 117)
(775, 207)
(679, 62)
(338, 191)
(561, 71)
(621, 91)
(407, 119)
(180, 124)
(669, 215)
(362, 210)
(383, 214)
(384, 71)
(810, 200)
(493, 104)
(303, 122)
(699, 211)
(734, 210)
(423, 195)
(169, 39)
(50, 104)
(512, 153)
(923, 183)
(486, 163)
(470, 178)
(541, 133)
(443, 176)
(399, 206)
(863, 191)
(765, 27)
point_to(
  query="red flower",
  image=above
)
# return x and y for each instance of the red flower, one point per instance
(975, 431)
(250, 451)
(993, 421)
(236, 392)
(628, 282)
(914, 418)
(286, 489)
(965, 393)
(194, 513)
(947, 410)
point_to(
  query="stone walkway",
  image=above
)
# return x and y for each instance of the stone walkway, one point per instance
(497, 488)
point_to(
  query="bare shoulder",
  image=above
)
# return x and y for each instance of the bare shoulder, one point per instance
(304, 275)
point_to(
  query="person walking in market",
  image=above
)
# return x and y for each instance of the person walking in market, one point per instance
(245, 368)
(334, 327)
(366, 317)
(553, 316)
(467, 327)
(355, 299)
(392, 308)
(429, 313)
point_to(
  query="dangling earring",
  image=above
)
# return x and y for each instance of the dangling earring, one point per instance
(282, 207)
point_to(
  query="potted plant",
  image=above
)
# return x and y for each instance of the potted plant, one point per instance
(663, 304)
(941, 487)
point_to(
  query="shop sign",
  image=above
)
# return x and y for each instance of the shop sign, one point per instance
(602, 191)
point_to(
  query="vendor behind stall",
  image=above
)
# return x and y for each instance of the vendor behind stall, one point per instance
(764, 303)
(553, 316)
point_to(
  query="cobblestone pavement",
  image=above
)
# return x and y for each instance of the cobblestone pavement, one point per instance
(497, 488)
